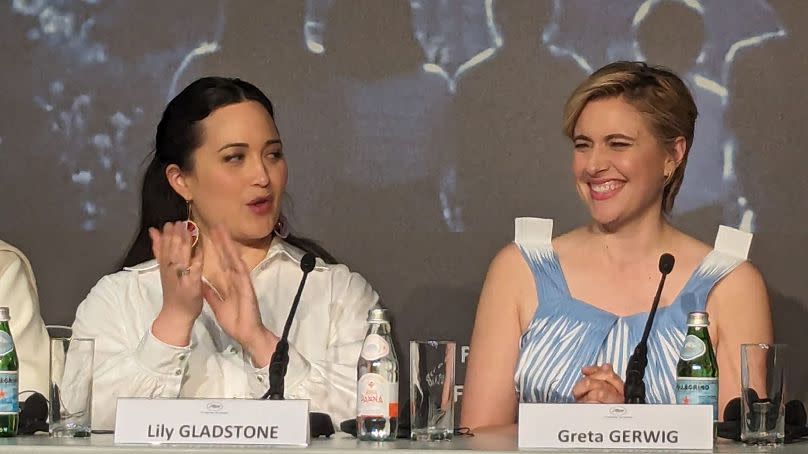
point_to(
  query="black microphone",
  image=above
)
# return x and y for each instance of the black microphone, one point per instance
(319, 423)
(33, 415)
(280, 359)
(634, 387)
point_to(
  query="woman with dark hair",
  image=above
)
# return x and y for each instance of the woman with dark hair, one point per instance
(199, 306)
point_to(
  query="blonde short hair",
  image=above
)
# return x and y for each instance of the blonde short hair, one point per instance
(657, 93)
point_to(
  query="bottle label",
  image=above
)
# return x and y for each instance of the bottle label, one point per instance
(376, 396)
(6, 344)
(9, 389)
(693, 348)
(698, 391)
(375, 347)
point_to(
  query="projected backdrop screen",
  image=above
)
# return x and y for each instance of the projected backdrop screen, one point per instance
(415, 130)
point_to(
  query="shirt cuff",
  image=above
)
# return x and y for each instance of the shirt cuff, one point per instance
(296, 373)
(261, 376)
(161, 358)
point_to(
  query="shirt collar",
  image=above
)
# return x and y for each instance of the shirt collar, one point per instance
(278, 247)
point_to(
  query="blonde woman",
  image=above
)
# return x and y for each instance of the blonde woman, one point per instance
(559, 317)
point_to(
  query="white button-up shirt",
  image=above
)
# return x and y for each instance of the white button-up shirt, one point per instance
(325, 338)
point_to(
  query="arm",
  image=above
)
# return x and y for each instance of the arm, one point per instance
(489, 397)
(740, 314)
(18, 291)
(330, 383)
(129, 361)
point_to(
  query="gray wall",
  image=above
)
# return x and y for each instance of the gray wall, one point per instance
(415, 131)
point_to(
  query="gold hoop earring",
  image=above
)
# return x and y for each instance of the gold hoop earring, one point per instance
(669, 177)
(191, 226)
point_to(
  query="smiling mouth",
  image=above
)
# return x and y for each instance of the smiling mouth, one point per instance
(608, 186)
(605, 190)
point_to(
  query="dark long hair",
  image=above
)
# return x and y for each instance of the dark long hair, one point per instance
(178, 135)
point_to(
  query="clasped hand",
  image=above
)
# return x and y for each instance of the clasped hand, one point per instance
(600, 385)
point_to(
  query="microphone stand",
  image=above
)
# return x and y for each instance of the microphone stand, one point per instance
(280, 358)
(319, 423)
(634, 387)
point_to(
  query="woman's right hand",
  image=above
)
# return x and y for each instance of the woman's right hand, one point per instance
(181, 277)
(599, 385)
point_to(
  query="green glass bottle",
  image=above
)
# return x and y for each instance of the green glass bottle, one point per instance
(697, 370)
(9, 383)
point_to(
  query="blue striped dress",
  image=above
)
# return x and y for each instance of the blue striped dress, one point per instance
(567, 334)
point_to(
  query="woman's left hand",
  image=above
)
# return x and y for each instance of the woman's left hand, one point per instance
(600, 385)
(235, 304)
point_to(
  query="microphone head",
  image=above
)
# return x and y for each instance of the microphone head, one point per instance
(666, 262)
(36, 407)
(307, 262)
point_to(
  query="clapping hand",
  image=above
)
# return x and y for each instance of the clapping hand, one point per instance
(234, 303)
(181, 278)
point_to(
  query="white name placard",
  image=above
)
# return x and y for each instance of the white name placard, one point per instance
(615, 426)
(212, 421)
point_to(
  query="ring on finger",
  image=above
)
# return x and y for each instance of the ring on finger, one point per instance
(183, 271)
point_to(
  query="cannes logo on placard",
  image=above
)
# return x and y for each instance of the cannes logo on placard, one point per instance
(618, 412)
(214, 407)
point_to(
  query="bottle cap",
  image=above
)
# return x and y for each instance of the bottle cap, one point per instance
(377, 315)
(4, 317)
(698, 319)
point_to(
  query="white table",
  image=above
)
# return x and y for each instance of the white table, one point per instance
(493, 443)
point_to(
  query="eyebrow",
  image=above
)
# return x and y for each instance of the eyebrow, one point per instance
(619, 136)
(246, 145)
(608, 137)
